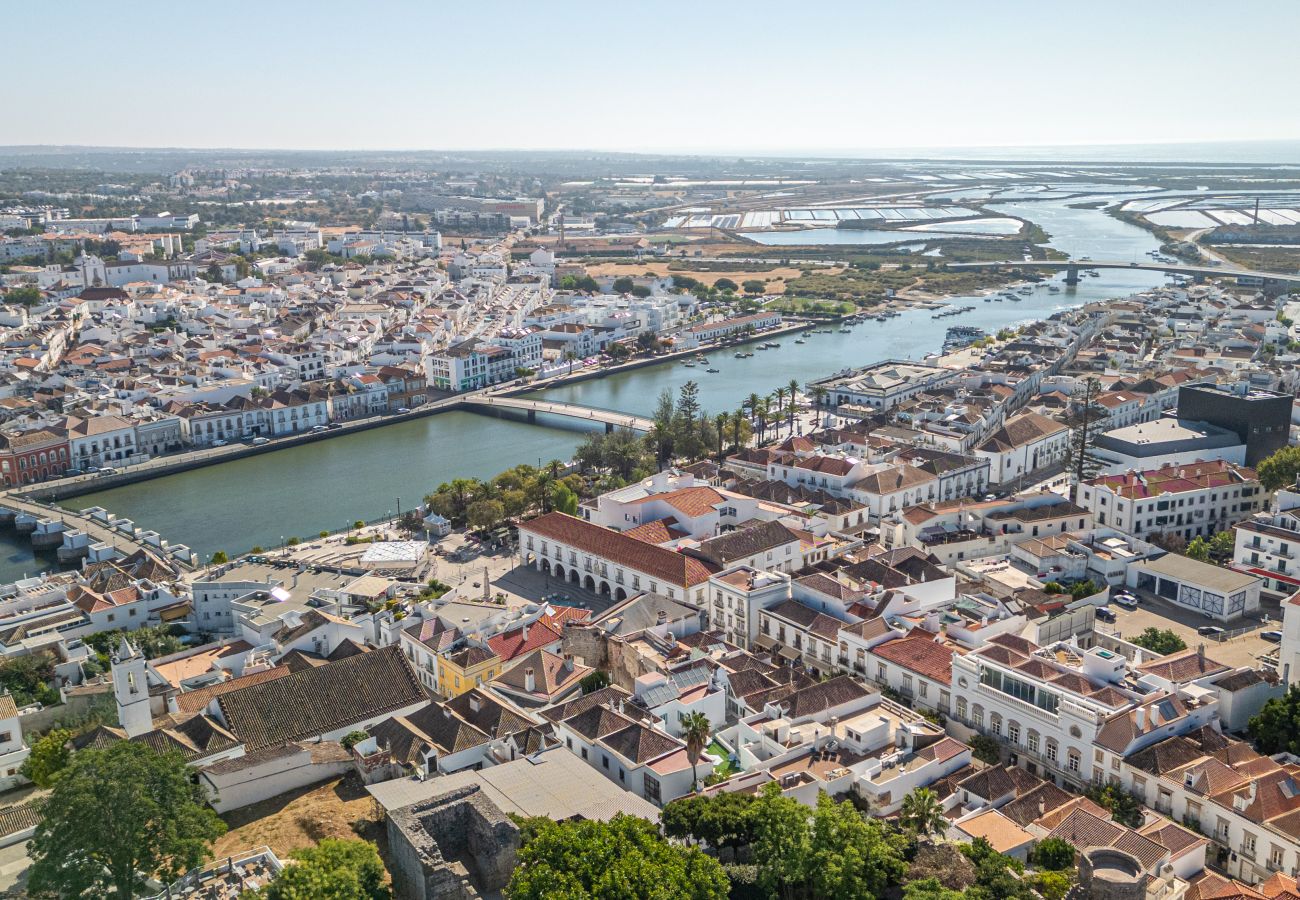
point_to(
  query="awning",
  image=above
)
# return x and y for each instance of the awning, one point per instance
(763, 642)
(175, 611)
(788, 653)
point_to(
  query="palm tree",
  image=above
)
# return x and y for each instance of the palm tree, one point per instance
(922, 813)
(819, 394)
(779, 394)
(793, 388)
(737, 420)
(695, 732)
(720, 423)
(760, 413)
(570, 357)
(751, 404)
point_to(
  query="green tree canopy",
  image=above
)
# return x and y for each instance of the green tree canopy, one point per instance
(1277, 726)
(922, 812)
(622, 859)
(1055, 854)
(720, 820)
(623, 285)
(1280, 469)
(50, 756)
(930, 889)
(725, 284)
(332, 870)
(116, 816)
(1160, 640)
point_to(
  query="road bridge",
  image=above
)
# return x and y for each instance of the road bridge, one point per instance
(1072, 266)
(607, 417)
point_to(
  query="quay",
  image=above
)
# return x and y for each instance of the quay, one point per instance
(94, 534)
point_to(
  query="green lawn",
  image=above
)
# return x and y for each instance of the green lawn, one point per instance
(717, 751)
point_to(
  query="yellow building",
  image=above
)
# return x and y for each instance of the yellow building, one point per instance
(466, 668)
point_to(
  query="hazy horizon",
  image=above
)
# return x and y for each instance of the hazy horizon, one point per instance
(760, 78)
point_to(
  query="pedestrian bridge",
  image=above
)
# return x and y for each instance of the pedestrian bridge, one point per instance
(1071, 268)
(607, 417)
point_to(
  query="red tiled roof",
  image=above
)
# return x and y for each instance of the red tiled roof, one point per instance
(657, 562)
(921, 653)
(511, 644)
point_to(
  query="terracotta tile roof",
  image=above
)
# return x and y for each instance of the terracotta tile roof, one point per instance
(1001, 832)
(691, 501)
(606, 695)
(660, 531)
(619, 549)
(918, 652)
(744, 542)
(639, 744)
(525, 639)
(1019, 431)
(314, 701)
(191, 702)
(1175, 479)
(1187, 665)
(550, 677)
(809, 619)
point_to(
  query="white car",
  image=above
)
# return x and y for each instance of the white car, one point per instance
(218, 443)
(260, 441)
(1126, 600)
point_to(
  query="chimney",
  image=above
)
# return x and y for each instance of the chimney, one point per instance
(1200, 655)
(568, 662)
(530, 683)
(524, 632)
(662, 617)
(1042, 808)
(1140, 716)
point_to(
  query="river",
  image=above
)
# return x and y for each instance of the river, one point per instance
(325, 485)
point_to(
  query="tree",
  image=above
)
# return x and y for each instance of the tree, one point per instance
(1198, 549)
(986, 749)
(117, 816)
(622, 285)
(564, 500)
(1054, 854)
(484, 515)
(570, 357)
(27, 296)
(49, 757)
(792, 391)
(1276, 728)
(725, 284)
(1162, 641)
(641, 291)
(719, 820)
(594, 681)
(352, 738)
(220, 558)
(1086, 426)
(779, 394)
(851, 856)
(695, 732)
(1123, 806)
(334, 869)
(1052, 885)
(625, 857)
(930, 889)
(922, 813)
(753, 286)
(1280, 469)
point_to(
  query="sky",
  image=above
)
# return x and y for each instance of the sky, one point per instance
(668, 76)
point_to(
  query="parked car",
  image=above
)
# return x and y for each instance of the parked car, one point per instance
(1209, 631)
(335, 425)
(107, 470)
(1128, 601)
(317, 429)
(260, 441)
(1272, 636)
(1106, 614)
(402, 409)
(218, 443)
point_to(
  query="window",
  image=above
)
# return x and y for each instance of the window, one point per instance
(584, 752)
(1275, 856)
(1013, 732)
(995, 723)
(1032, 741)
(1051, 750)
(961, 707)
(1073, 761)
(651, 788)
(604, 760)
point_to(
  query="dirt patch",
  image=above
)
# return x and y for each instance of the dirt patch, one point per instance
(333, 809)
(774, 278)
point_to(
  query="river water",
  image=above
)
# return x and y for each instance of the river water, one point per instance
(325, 485)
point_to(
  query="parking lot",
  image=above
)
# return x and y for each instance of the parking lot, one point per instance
(1155, 612)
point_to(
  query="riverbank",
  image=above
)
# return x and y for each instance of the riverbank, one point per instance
(325, 485)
